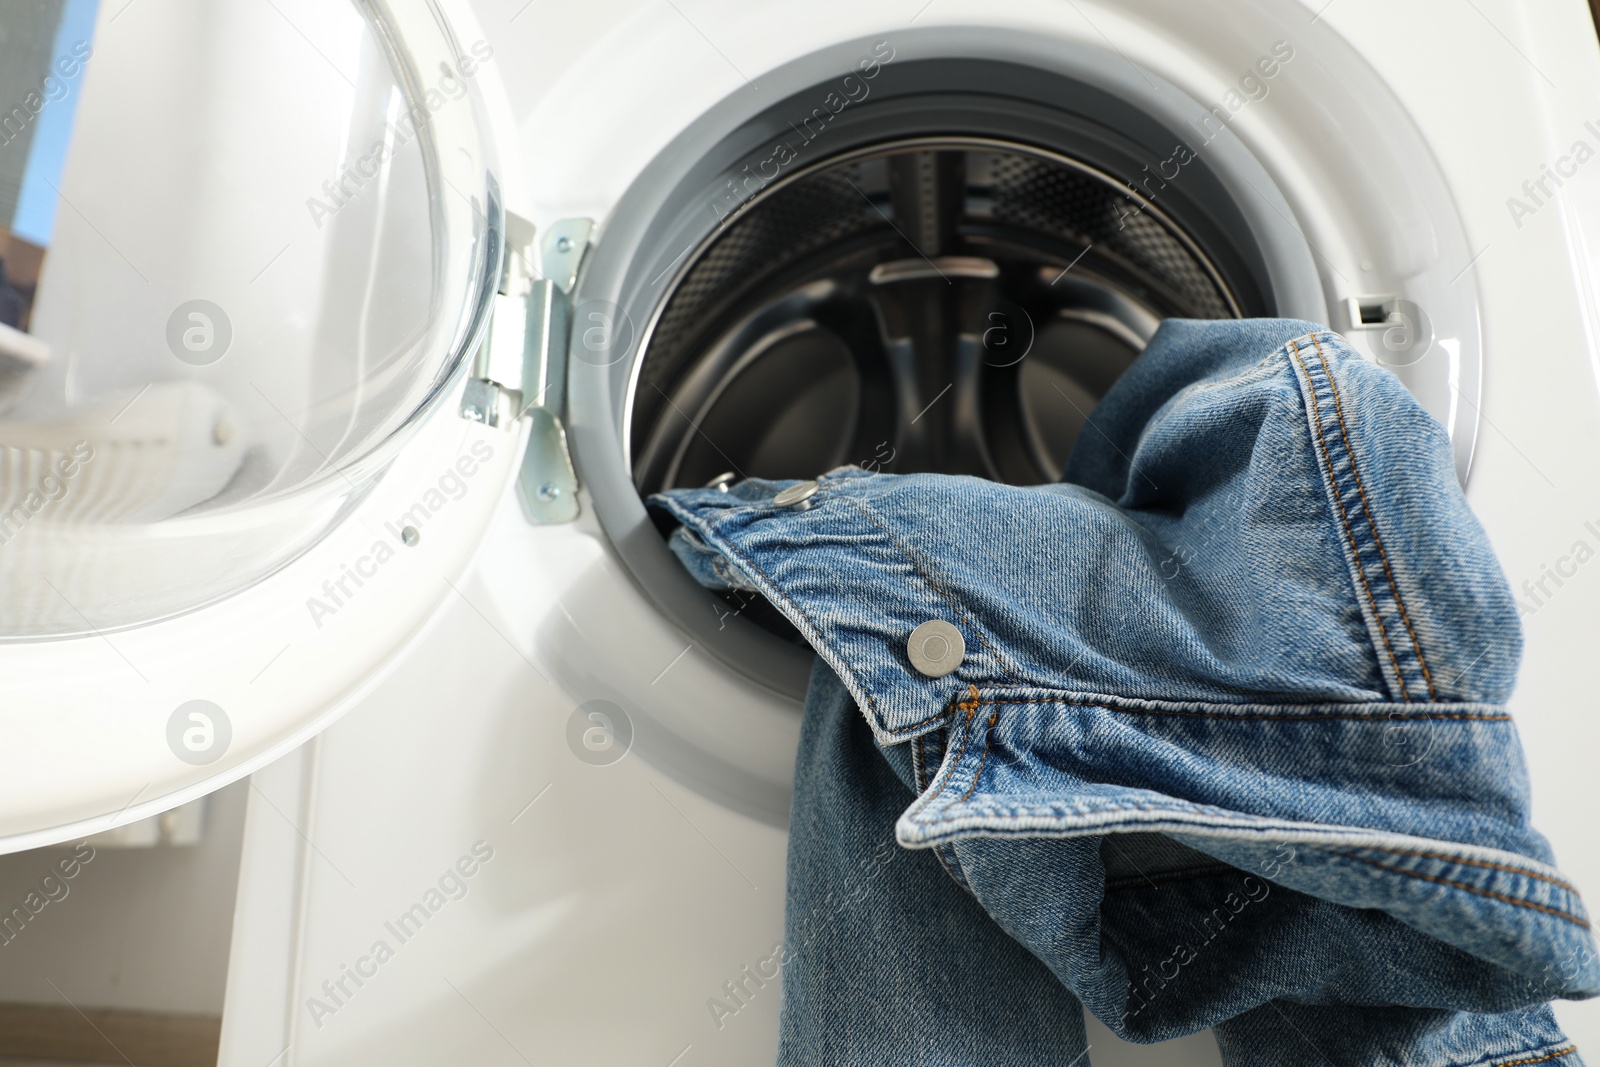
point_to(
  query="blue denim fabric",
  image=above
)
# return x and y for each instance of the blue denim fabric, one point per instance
(1228, 746)
(886, 960)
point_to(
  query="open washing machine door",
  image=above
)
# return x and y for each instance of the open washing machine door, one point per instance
(237, 480)
(258, 393)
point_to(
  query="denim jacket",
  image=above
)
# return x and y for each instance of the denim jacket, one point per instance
(1227, 745)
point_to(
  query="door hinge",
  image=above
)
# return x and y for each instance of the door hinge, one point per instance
(520, 370)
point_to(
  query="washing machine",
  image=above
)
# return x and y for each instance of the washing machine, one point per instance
(349, 338)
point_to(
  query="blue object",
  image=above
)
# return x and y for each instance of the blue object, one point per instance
(1227, 746)
(35, 217)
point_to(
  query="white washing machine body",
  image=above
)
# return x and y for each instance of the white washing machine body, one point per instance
(507, 803)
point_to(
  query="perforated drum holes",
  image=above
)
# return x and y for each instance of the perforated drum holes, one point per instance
(811, 327)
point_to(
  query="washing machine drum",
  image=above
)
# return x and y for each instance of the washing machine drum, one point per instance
(245, 249)
(947, 279)
(955, 305)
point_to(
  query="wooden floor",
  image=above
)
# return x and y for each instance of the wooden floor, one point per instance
(39, 1034)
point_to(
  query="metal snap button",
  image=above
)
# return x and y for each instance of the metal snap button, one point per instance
(796, 494)
(936, 648)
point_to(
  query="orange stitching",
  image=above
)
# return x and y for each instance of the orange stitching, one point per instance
(1247, 717)
(946, 784)
(1480, 863)
(1469, 889)
(1372, 520)
(970, 705)
(988, 739)
(1344, 518)
(954, 604)
(1540, 1059)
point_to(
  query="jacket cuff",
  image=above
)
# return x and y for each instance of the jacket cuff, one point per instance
(856, 605)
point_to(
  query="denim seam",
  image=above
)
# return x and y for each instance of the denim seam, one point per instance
(1215, 819)
(913, 728)
(1198, 821)
(843, 666)
(1001, 811)
(1372, 521)
(945, 853)
(977, 775)
(1315, 415)
(1565, 1050)
(1478, 863)
(818, 630)
(948, 819)
(1250, 716)
(922, 804)
(1583, 923)
(919, 763)
(1005, 666)
(880, 722)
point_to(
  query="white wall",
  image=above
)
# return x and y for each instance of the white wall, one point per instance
(144, 929)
